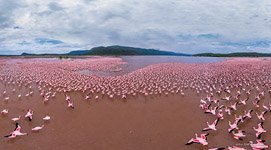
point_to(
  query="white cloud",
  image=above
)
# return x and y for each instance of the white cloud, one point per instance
(188, 26)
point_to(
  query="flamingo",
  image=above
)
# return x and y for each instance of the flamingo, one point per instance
(211, 126)
(228, 111)
(233, 125)
(16, 132)
(211, 111)
(29, 114)
(259, 145)
(200, 140)
(46, 118)
(203, 101)
(70, 104)
(260, 130)
(239, 135)
(244, 102)
(261, 116)
(68, 98)
(261, 94)
(227, 98)
(4, 111)
(235, 148)
(247, 114)
(233, 106)
(15, 119)
(37, 128)
(220, 148)
(220, 115)
(248, 92)
(229, 148)
(46, 99)
(266, 108)
(87, 97)
(205, 106)
(240, 117)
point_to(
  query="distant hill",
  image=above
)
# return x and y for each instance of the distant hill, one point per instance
(27, 54)
(39, 55)
(123, 50)
(79, 52)
(238, 54)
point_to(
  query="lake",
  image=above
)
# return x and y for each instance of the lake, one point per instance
(138, 62)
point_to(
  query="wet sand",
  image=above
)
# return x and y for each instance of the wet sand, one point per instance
(155, 122)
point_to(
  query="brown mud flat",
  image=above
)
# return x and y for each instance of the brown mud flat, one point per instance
(157, 122)
(164, 122)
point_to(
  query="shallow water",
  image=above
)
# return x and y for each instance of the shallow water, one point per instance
(137, 62)
(164, 59)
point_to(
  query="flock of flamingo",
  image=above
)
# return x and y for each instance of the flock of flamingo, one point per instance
(17, 131)
(238, 88)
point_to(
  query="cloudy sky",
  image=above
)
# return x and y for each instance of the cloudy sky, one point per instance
(188, 26)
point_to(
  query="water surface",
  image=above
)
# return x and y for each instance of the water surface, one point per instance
(138, 62)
